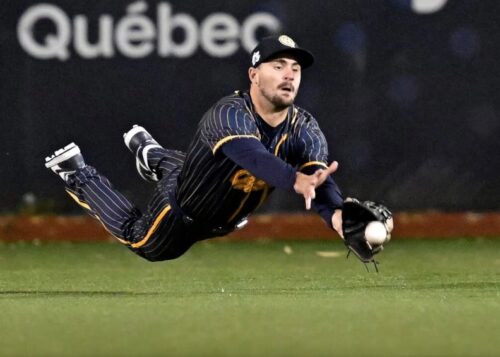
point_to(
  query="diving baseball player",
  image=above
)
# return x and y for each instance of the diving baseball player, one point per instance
(247, 144)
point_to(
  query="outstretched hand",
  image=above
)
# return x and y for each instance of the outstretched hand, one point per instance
(305, 185)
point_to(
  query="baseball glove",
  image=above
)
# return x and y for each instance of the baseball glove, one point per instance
(355, 217)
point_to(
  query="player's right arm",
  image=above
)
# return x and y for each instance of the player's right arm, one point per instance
(231, 129)
(253, 156)
(307, 184)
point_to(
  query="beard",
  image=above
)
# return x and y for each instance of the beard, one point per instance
(279, 103)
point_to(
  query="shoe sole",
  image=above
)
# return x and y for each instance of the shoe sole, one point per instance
(131, 133)
(62, 155)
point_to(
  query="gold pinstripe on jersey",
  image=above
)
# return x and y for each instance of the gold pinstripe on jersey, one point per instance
(295, 115)
(311, 163)
(229, 138)
(282, 140)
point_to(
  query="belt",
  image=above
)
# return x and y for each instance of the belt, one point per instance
(190, 221)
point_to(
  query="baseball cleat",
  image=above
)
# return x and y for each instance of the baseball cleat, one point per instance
(140, 142)
(64, 162)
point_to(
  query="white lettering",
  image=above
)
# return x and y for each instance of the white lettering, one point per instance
(56, 45)
(136, 35)
(104, 45)
(219, 33)
(166, 25)
(252, 23)
(134, 32)
(427, 6)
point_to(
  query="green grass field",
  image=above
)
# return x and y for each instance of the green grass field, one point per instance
(438, 298)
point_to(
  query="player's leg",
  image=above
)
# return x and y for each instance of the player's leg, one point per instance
(164, 234)
(156, 235)
(64, 162)
(93, 191)
(153, 162)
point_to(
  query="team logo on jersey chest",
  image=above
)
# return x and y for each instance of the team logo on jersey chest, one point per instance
(243, 180)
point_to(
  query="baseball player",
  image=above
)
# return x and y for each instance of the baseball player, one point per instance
(247, 144)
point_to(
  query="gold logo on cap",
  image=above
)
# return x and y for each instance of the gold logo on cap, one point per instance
(287, 41)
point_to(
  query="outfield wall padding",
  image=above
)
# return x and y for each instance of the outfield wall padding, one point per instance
(270, 226)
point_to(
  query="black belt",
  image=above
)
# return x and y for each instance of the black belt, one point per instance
(190, 221)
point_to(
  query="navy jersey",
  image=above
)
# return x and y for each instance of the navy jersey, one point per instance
(215, 191)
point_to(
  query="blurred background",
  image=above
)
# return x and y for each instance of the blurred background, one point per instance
(406, 92)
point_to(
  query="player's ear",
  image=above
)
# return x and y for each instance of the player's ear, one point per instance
(252, 73)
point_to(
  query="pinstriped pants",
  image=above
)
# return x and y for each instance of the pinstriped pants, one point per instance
(157, 234)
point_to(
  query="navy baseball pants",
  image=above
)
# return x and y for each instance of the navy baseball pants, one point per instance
(157, 234)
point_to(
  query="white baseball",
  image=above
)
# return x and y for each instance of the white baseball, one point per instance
(375, 233)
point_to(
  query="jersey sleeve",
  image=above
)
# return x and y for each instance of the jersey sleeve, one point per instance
(227, 122)
(312, 146)
(254, 157)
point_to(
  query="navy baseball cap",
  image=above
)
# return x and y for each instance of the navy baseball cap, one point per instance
(269, 47)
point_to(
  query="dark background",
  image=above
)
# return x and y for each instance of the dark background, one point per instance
(409, 102)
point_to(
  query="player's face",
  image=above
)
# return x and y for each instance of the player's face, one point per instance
(278, 81)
